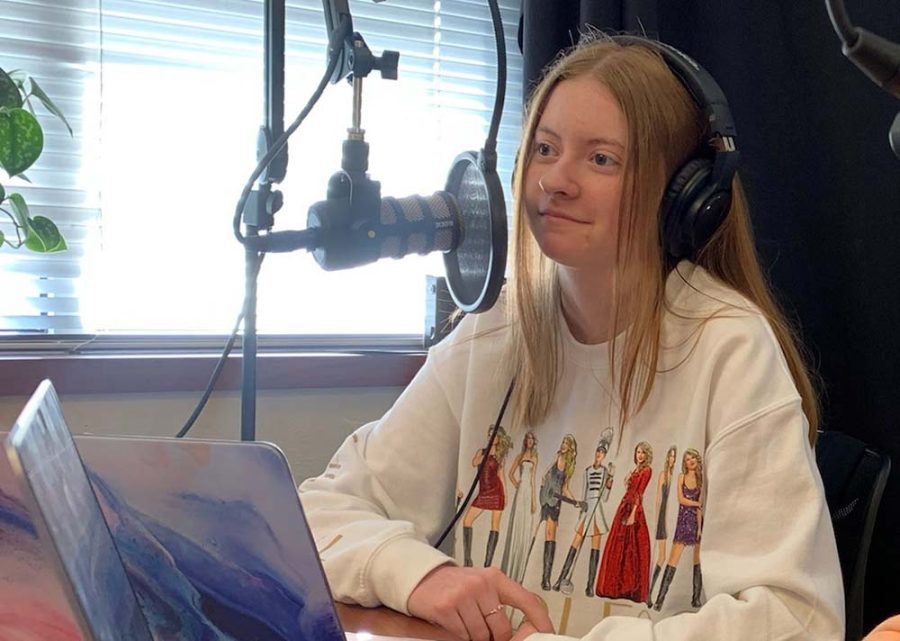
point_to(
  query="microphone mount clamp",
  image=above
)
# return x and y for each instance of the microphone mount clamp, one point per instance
(355, 57)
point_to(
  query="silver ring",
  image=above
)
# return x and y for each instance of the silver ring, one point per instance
(494, 610)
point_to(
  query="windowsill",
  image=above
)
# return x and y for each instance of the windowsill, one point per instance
(122, 374)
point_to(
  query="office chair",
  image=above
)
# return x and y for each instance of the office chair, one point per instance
(854, 477)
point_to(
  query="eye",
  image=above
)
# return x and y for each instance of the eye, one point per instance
(542, 149)
(602, 160)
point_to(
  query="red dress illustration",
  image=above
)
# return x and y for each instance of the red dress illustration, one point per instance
(490, 490)
(625, 568)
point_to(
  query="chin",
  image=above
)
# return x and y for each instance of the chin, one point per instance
(565, 255)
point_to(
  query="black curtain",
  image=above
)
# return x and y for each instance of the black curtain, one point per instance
(823, 186)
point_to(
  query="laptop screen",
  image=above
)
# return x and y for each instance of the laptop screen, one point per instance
(68, 518)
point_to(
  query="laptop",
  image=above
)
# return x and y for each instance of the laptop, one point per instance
(165, 538)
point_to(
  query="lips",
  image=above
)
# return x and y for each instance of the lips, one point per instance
(554, 214)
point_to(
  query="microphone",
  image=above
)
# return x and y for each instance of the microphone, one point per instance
(466, 221)
(877, 57)
(403, 226)
(354, 225)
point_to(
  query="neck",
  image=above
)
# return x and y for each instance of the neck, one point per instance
(588, 304)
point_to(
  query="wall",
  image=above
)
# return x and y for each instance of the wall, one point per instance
(307, 424)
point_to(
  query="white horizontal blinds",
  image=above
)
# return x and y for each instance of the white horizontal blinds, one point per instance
(467, 73)
(182, 100)
(57, 43)
(181, 103)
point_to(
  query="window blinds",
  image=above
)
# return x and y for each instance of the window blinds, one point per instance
(165, 99)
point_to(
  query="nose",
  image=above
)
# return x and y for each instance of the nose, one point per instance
(558, 180)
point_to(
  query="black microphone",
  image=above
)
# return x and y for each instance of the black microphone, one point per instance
(466, 221)
(877, 57)
(347, 235)
(354, 225)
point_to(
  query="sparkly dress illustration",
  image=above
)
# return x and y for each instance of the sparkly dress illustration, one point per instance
(687, 531)
(688, 528)
(625, 567)
(491, 495)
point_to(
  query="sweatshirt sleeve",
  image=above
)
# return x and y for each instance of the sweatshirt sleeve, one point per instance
(386, 493)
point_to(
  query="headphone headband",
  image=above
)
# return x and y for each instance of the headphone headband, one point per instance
(709, 98)
(698, 196)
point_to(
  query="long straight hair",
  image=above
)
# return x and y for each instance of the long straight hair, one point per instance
(665, 129)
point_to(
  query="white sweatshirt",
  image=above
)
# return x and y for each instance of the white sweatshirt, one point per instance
(747, 501)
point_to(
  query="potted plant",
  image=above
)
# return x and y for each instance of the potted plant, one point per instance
(21, 143)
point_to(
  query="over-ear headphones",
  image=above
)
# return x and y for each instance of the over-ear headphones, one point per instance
(698, 196)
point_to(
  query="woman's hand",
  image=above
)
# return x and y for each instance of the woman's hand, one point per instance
(468, 602)
(526, 629)
(887, 631)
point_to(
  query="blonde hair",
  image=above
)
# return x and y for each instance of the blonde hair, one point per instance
(503, 444)
(665, 129)
(648, 454)
(694, 454)
(570, 455)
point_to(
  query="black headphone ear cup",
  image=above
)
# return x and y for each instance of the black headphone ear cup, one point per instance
(678, 208)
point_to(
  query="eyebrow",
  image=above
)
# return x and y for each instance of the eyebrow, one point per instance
(592, 141)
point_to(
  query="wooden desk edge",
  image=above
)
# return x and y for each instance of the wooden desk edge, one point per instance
(386, 622)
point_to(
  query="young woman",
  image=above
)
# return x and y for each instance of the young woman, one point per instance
(662, 500)
(605, 322)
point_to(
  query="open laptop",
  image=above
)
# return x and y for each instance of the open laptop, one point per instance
(165, 538)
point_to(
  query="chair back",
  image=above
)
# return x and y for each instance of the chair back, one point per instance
(854, 477)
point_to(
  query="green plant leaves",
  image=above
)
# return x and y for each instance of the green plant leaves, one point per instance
(48, 104)
(9, 92)
(43, 236)
(20, 209)
(21, 140)
(21, 144)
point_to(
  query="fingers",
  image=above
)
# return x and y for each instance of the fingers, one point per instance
(511, 593)
(453, 623)
(495, 617)
(468, 602)
(478, 622)
(525, 630)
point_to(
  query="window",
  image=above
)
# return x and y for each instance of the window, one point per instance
(165, 98)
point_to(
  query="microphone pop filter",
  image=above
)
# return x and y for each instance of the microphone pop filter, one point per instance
(476, 267)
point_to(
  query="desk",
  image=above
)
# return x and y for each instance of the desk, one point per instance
(387, 622)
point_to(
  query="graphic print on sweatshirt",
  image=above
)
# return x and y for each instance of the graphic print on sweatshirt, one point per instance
(605, 517)
(689, 525)
(591, 521)
(491, 495)
(523, 513)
